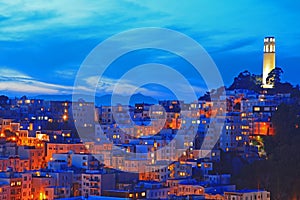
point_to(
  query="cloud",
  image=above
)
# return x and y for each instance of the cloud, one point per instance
(16, 81)
(59, 33)
(7, 73)
(108, 85)
(66, 74)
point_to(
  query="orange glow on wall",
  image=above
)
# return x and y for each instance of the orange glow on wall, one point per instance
(263, 128)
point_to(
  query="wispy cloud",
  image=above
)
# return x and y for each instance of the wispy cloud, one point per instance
(108, 85)
(16, 81)
(66, 74)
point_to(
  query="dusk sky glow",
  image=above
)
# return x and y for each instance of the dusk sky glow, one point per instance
(43, 44)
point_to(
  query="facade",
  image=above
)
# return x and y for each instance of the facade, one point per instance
(40, 183)
(83, 113)
(269, 59)
(14, 180)
(4, 190)
(95, 182)
(26, 186)
(247, 195)
(61, 148)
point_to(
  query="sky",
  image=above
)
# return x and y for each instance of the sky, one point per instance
(43, 45)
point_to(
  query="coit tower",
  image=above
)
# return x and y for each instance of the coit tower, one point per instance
(269, 60)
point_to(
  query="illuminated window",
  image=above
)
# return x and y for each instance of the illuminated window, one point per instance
(256, 109)
(65, 117)
(143, 194)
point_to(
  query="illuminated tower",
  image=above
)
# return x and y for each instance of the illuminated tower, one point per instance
(269, 60)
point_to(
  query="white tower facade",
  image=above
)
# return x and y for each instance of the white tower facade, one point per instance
(269, 60)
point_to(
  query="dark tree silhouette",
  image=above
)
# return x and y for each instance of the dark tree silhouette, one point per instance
(3, 100)
(274, 77)
(246, 80)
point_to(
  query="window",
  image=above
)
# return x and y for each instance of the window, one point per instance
(256, 109)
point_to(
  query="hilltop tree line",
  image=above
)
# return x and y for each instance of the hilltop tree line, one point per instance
(246, 80)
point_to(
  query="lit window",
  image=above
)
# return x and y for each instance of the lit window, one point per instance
(256, 109)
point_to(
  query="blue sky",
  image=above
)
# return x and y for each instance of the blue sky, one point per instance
(42, 45)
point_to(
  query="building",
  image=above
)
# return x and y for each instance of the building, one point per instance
(269, 59)
(154, 190)
(84, 113)
(4, 190)
(36, 156)
(247, 195)
(26, 186)
(15, 163)
(95, 182)
(60, 148)
(155, 172)
(15, 182)
(40, 183)
(81, 160)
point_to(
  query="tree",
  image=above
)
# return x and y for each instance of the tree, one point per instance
(246, 80)
(3, 100)
(274, 77)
